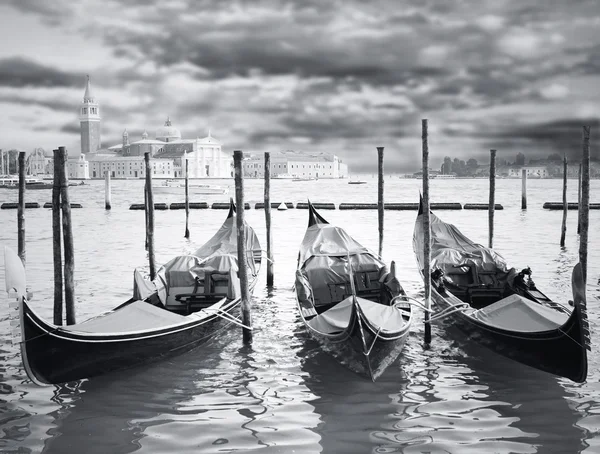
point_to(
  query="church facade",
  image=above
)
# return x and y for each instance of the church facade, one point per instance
(169, 151)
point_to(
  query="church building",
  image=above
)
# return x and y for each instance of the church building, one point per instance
(168, 149)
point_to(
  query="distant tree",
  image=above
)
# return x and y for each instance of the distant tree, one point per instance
(447, 166)
(472, 163)
(459, 167)
(554, 157)
(520, 161)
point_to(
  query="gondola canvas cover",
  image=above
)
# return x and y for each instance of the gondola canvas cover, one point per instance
(224, 242)
(450, 248)
(324, 260)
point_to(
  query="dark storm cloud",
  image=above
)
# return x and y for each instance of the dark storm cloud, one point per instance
(57, 105)
(71, 128)
(562, 136)
(19, 72)
(52, 12)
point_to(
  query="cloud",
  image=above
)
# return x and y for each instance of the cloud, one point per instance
(564, 136)
(22, 72)
(334, 76)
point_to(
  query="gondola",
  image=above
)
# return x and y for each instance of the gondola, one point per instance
(500, 307)
(348, 299)
(191, 298)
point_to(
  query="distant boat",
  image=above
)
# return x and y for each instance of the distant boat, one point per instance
(304, 179)
(194, 187)
(12, 182)
(284, 176)
(444, 177)
(357, 182)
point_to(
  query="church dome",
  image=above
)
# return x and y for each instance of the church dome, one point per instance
(168, 133)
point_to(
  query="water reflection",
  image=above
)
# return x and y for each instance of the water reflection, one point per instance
(464, 398)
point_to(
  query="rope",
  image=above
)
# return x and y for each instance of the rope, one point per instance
(461, 307)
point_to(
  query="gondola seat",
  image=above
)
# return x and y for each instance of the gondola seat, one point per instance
(135, 316)
(516, 313)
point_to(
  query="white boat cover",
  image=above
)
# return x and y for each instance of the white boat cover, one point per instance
(450, 249)
(326, 239)
(324, 262)
(386, 319)
(224, 242)
(515, 313)
(136, 316)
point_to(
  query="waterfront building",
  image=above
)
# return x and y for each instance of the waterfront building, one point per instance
(531, 171)
(78, 167)
(128, 167)
(40, 162)
(298, 164)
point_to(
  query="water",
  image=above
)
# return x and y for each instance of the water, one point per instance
(282, 394)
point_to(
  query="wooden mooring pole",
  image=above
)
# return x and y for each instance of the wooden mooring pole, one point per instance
(426, 230)
(150, 213)
(579, 201)
(584, 212)
(492, 205)
(523, 189)
(187, 200)
(146, 213)
(69, 253)
(268, 219)
(380, 205)
(241, 246)
(107, 204)
(21, 209)
(57, 244)
(563, 230)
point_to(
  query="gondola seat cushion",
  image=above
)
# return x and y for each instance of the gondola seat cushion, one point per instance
(136, 316)
(515, 313)
(382, 318)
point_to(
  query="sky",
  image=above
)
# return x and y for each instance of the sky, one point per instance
(312, 75)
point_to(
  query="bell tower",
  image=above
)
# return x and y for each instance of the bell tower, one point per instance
(89, 120)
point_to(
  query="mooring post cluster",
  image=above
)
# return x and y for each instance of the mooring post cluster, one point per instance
(62, 206)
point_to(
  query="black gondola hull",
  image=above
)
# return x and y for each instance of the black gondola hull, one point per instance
(53, 355)
(369, 358)
(560, 351)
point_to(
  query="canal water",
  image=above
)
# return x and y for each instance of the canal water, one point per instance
(282, 394)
